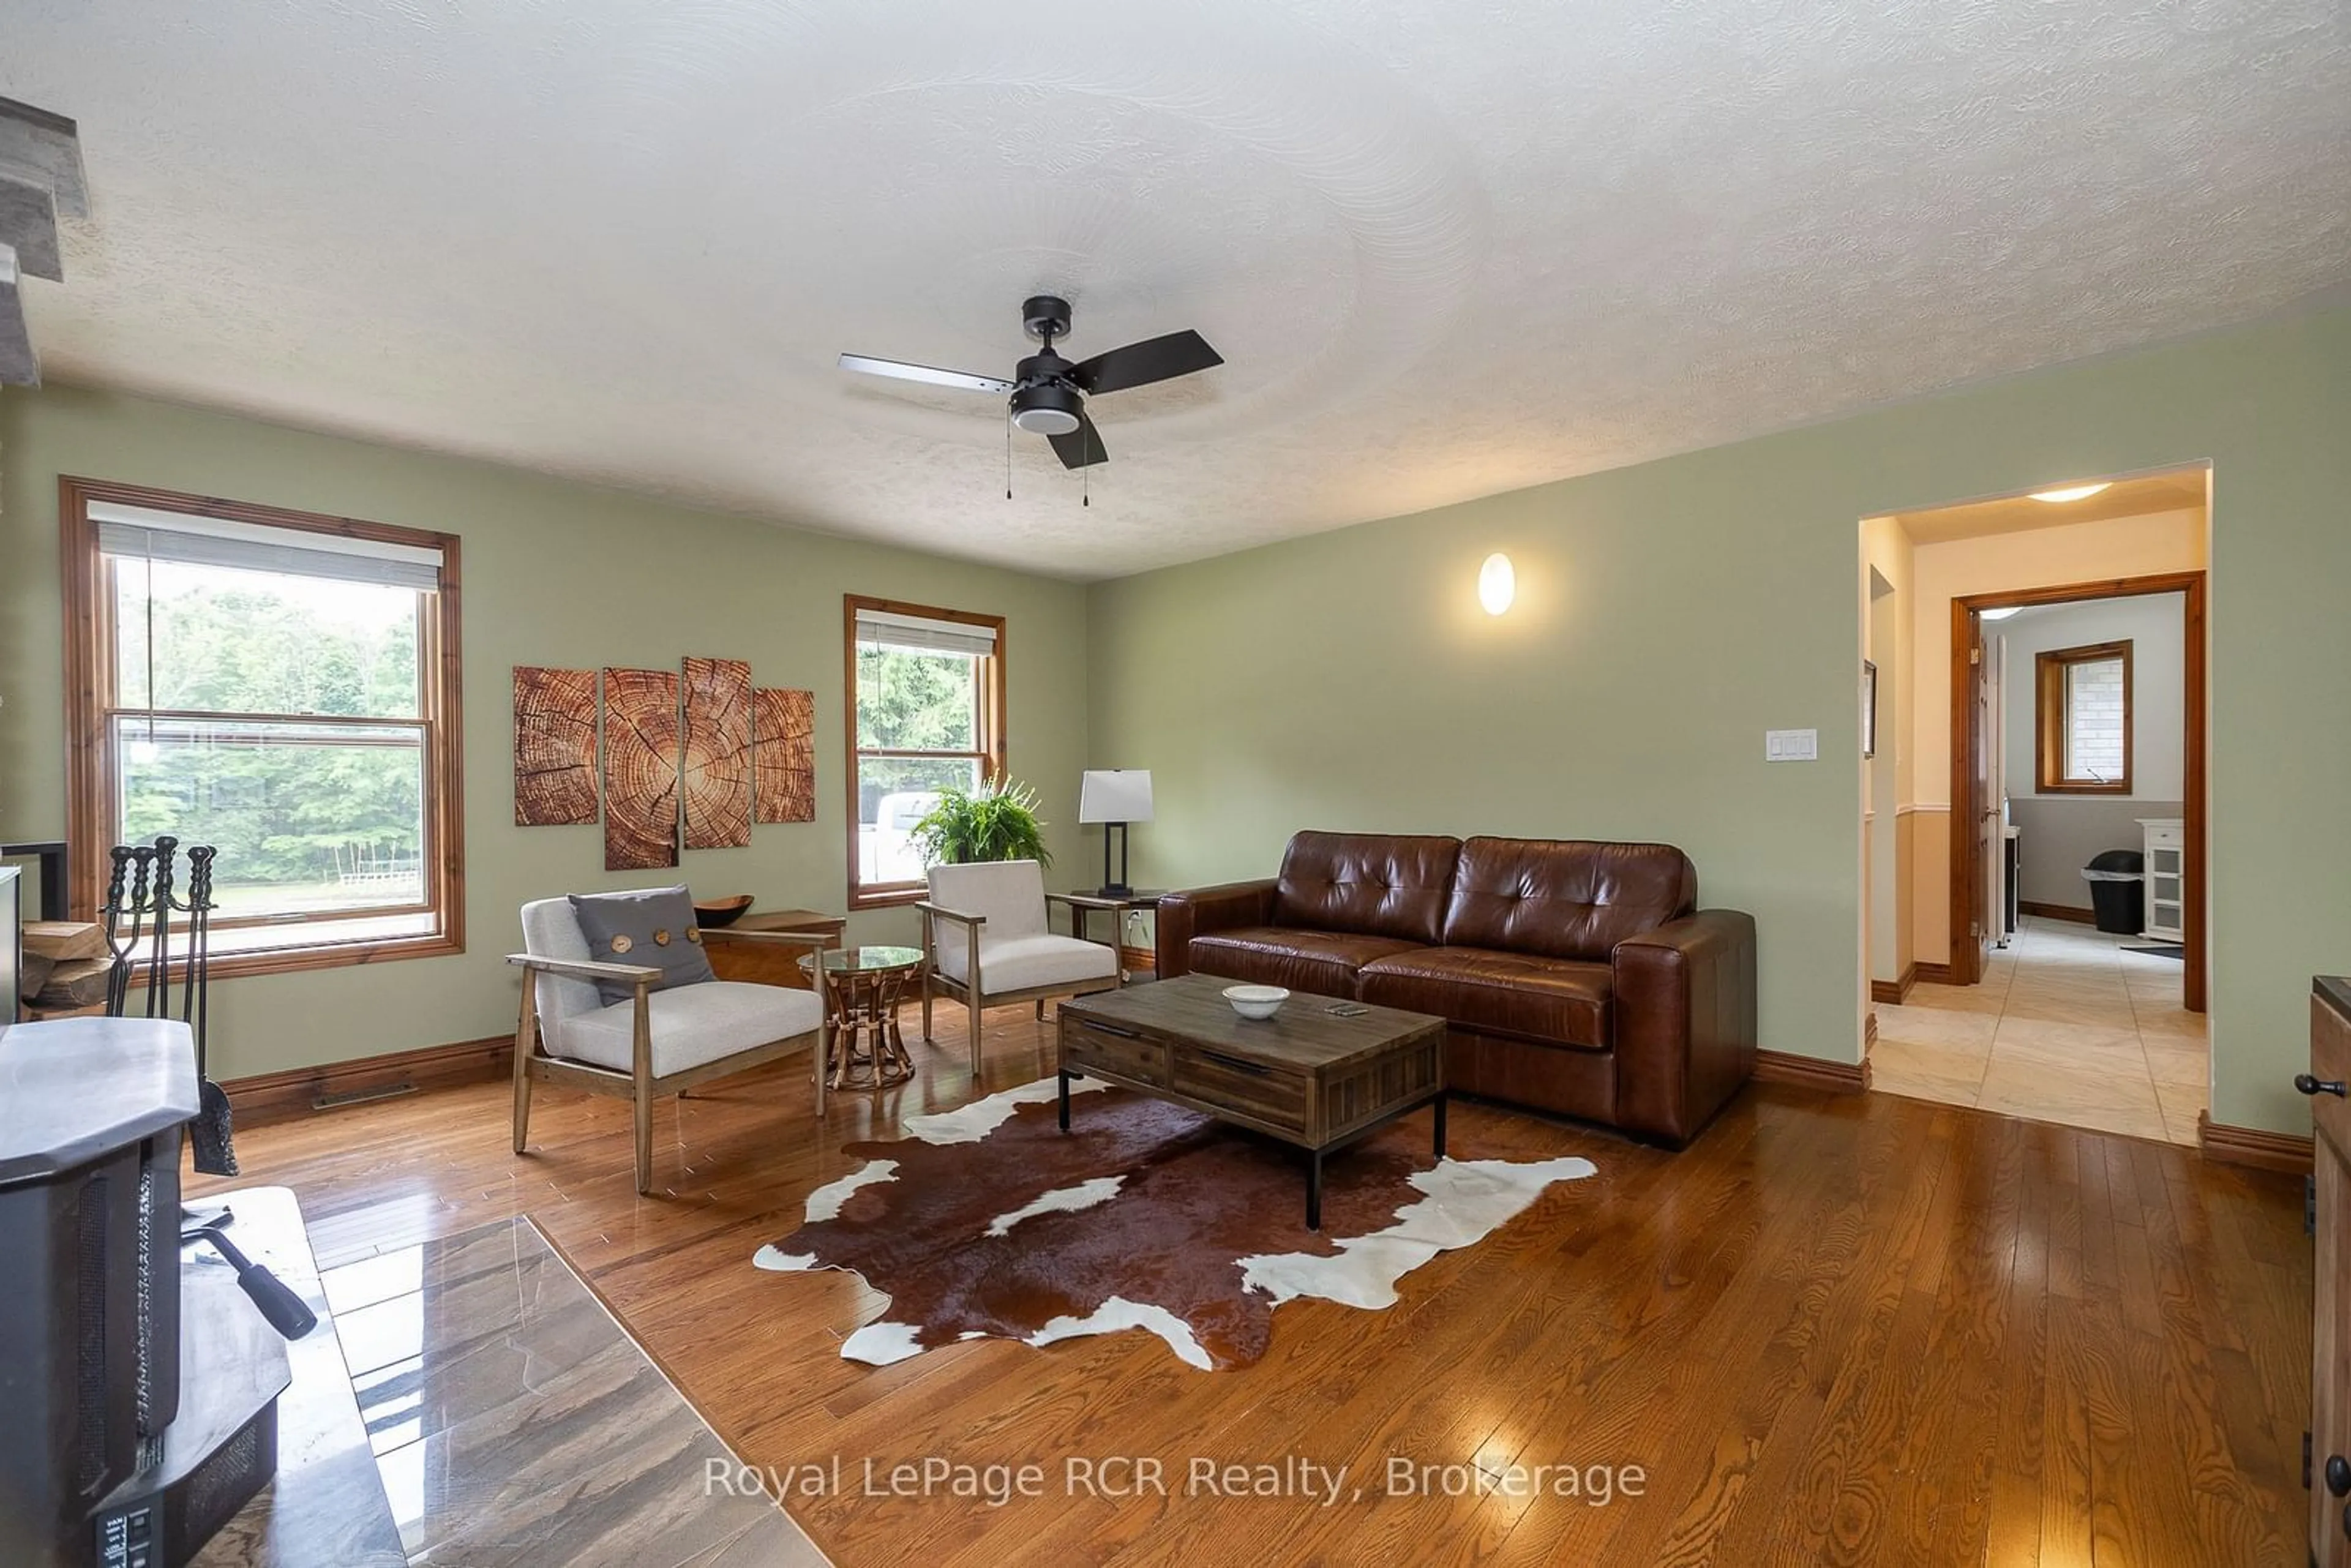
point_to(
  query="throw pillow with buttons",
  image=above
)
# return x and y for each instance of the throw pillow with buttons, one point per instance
(651, 929)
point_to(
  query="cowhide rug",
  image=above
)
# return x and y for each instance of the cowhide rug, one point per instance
(989, 1222)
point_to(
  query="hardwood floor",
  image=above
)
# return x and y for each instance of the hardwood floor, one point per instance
(1839, 1328)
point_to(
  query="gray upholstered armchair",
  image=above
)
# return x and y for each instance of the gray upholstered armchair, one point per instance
(658, 1041)
(997, 946)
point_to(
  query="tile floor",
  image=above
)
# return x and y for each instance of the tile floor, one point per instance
(513, 1422)
(2067, 1026)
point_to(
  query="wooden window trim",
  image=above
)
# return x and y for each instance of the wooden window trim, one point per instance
(2050, 670)
(990, 755)
(89, 755)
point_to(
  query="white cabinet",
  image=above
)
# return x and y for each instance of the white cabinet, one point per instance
(2166, 878)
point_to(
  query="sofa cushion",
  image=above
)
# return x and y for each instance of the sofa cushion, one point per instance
(1553, 1000)
(650, 928)
(1372, 884)
(1558, 1079)
(689, 1025)
(1322, 963)
(1564, 898)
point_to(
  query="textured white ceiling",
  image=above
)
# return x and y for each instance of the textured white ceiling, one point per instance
(1446, 248)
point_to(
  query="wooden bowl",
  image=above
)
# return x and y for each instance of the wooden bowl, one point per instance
(718, 912)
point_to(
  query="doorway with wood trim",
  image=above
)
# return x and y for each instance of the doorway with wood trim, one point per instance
(1979, 817)
(2060, 701)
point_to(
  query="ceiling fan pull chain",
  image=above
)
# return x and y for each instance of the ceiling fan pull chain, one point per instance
(1007, 458)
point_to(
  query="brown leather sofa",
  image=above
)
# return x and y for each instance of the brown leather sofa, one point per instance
(1577, 977)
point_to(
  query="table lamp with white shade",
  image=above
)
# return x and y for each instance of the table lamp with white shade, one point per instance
(1115, 797)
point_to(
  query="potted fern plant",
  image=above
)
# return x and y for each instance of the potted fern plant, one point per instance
(997, 821)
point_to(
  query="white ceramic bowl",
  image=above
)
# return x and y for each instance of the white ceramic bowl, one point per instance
(1256, 1001)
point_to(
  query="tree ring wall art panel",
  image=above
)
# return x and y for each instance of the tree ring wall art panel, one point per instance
(641, 736)
(716, 780)
(554, 746)
(783, 753)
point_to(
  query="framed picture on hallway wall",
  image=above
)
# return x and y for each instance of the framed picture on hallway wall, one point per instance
(1868, 708)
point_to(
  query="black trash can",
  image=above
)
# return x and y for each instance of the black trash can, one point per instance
(2117, 880)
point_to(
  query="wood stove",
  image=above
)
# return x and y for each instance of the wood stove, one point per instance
(128, 1428)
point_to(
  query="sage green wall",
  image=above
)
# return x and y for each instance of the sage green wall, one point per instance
(554, 573)
(1669, 613)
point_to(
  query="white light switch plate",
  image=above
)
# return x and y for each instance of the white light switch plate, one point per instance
(1791, 746)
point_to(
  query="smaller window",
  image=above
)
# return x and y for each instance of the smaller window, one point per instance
(2082, 711)
(926, 714)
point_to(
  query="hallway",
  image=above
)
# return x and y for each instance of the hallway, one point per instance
(2067, 1026)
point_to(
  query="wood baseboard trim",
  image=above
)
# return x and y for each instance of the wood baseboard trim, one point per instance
(1893, 992)
(1930, 973)
(2057, 912)
(1811, 1072)
(298, 1092)
(2252, 1146)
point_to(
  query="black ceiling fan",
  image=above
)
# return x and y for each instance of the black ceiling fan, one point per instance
(1050, 392)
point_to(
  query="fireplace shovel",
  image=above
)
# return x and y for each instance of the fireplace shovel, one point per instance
(215, 1151)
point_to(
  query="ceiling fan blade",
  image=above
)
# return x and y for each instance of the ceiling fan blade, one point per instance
(1080, 446)
(1140, 364)
(963, 381)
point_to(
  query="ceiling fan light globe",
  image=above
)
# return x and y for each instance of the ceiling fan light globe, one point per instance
(1046, 408)
(1046, 421)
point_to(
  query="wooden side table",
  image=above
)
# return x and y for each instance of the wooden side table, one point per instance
(736, 954)
(862, 988)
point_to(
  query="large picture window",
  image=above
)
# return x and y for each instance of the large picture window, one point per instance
(281, 686)
(925, 713)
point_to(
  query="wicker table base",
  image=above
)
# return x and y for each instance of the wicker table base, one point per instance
(862, 989)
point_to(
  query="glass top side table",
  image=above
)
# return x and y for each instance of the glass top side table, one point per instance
(861, 987)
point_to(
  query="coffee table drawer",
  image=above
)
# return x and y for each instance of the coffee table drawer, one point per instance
(1253, 1089)
(1085, 1043)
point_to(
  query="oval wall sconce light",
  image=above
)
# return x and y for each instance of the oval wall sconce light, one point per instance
(1498, 584)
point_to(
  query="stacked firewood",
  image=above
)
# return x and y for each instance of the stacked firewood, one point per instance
(65, 968)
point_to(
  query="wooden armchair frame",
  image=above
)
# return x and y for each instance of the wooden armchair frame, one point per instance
(936, 983)
(639, 1086)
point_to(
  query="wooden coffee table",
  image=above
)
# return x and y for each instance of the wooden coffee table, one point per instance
(1305, 1076)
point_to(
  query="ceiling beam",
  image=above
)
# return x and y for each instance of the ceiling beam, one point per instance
(41, 177)
(46, 149)
(19, 368)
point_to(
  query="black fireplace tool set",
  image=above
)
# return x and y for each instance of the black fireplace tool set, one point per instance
(141, 897)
